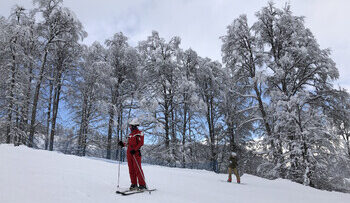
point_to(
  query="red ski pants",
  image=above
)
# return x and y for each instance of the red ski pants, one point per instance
(135, 169)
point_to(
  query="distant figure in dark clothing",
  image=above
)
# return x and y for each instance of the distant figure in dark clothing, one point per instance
(232, 167)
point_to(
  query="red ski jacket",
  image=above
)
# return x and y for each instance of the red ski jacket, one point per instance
(135, 140)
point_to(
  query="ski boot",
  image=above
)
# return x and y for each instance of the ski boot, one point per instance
(142, 187)
(133, 187)
(238, 181)
(229, 180)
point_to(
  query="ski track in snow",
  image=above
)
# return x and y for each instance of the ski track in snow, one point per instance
(35, 176)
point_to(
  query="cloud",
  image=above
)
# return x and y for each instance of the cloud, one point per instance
(200, 23)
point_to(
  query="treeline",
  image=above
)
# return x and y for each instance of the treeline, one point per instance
(272, 99)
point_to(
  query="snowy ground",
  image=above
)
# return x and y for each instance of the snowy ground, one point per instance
(28, 175)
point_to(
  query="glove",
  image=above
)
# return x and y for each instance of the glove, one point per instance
(121, 144)
(132, 152)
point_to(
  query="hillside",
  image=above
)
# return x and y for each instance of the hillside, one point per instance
(28, 175)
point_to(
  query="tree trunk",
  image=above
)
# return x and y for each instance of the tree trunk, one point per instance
(166, 118)
(119, 129)
(48, 116)
(84, 132)
(230, 129)
(172, 124)
(307, 172)
(81, 138)
(120, 125)
(184, 134)
(210, 119)
(9, 124)
(262, 110)
(87, 122)
(11, 100)
(17, 135)
(55, 109)
(26, 107)
(83, 129)
(110, 131)
(214, 140)
(36, 99)
(189, 134)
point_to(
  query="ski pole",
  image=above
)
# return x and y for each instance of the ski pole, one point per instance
(143, 177)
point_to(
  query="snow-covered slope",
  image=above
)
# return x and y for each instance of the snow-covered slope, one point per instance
(28, 175)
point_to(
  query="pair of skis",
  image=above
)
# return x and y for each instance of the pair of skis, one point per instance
(131, 192)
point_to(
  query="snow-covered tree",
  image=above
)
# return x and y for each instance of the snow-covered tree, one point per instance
(19, 53)
(119, 80)
(188, 101)
(243, 56)
(301, 72)
(209, 79)
(65, 60)
(85, 92)
(58, 26)
(282, 63)
(159, 65)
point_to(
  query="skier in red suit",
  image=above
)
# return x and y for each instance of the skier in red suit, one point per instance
(135, 142)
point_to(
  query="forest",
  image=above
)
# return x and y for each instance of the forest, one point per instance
(271, 99)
